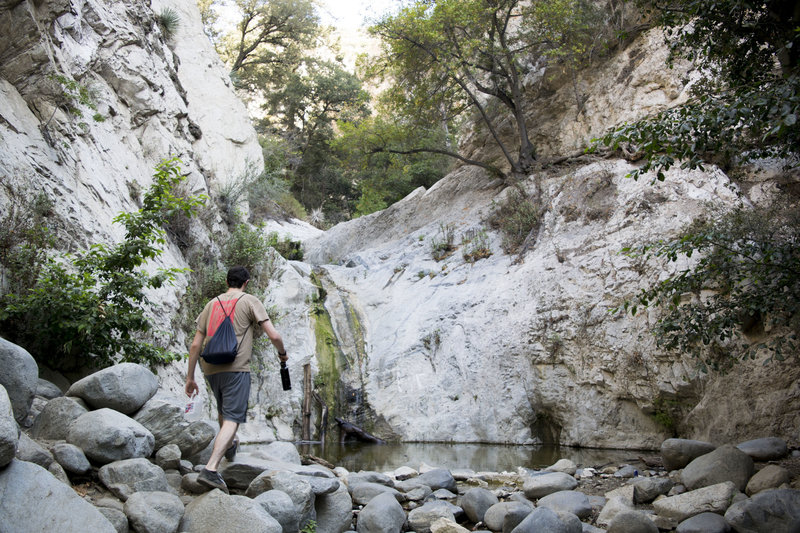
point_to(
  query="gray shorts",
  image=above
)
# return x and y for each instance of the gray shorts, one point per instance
(232, 391)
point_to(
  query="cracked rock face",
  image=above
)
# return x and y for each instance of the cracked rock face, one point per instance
(527, 351)
(493, 350)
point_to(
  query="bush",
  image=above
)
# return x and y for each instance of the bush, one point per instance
(25, 237)
(740, 297)
(517, 217)
(286, 247)
(476, 246)
(89, 310)
(169, 21)
(443, 244)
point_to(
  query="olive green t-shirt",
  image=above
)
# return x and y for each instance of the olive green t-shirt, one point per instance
(247, 315)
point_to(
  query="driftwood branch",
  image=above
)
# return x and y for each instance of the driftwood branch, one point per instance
(352, 431)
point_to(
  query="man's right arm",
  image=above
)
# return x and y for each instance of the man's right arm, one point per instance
(194, 354)
(275, 338)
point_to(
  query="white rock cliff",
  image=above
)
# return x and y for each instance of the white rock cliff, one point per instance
(499, 350)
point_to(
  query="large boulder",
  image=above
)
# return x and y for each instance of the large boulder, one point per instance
(47, 389)
(677, 453)
(298, 489)
(363, 493)
(769, 477)
(56, 416)
(766, 449)
(129, 476)
(476, 501)
(714, 499)
(704, 523)
(162, 415)
(541, 485)
(194, 438)
(421, 518)
(116, 517)
(567, 501)
(616, 501)
(282, 451)
(726, 463)
(33, 452)
(383, 514)
(154, 512)
(563, 465)
(9, 430)
(280, 506)
(496, 515)
(647, 489)
(631, 522)
(20, 377)
(106, 435)
(71, 458)
(438, 478)
(243, 471)
(543, 519)
(33, 501)
(216, 511)
(125, 387)
(334, 511)
(767, 512)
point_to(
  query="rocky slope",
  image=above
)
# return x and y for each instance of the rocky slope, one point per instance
(503, 349)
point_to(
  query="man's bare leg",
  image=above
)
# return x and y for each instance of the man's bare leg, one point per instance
(227, 432)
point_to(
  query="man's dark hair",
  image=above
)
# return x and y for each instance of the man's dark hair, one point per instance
(237, 276)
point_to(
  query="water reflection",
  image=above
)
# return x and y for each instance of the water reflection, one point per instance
(356, 456)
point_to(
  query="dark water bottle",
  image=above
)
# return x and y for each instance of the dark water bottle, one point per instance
(285, 381)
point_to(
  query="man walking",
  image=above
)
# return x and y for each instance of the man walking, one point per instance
(230, 382)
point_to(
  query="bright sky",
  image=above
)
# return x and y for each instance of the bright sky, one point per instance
(350, 14)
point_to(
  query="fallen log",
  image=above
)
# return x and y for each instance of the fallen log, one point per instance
(351, 431)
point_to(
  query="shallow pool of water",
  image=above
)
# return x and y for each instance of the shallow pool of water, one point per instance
(479, 457)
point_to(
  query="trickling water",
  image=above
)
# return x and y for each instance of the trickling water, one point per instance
(341, 354)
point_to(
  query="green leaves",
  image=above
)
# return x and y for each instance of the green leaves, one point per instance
(741, 293)
(746, 106)
(89, 310)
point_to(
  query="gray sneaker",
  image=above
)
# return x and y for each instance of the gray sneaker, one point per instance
(213, 480)
(230, 453)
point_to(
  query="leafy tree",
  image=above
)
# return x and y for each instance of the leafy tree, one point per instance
(209, 17)
(743, 285)
(89, 310)
(303, 112)
(313, 96)
(449, 57)
(746, 105)
(741, 295)
(384, 176)
(270, 39)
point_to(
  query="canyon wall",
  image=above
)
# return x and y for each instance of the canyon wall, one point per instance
(519, 349)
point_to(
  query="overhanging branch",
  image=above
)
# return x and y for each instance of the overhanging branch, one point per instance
(491, 168)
